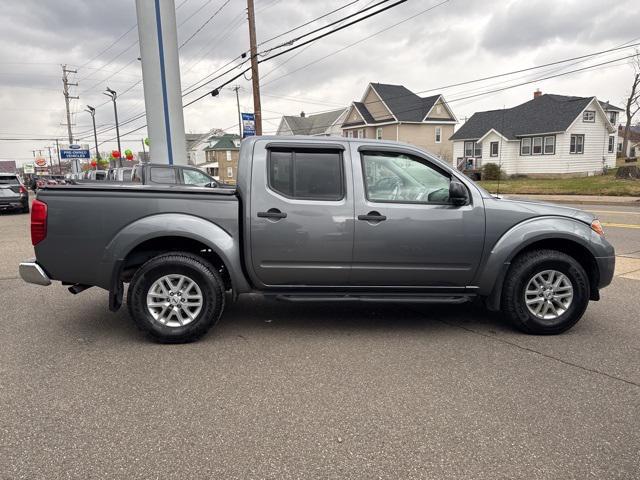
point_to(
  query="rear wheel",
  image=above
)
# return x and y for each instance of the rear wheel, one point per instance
(176, 297)
(545, 292)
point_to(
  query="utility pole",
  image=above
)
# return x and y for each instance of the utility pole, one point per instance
(236, 88)
(65, 90)
(48, 147)
(255, 77)
(67, 97)
(58, 152)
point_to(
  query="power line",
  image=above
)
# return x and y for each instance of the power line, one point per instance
(489, 92)
(204, 24)
(342, 27)
(295, 47)
(309, 22)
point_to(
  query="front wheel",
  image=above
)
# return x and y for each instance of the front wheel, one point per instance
(176, 297)
(545, 292)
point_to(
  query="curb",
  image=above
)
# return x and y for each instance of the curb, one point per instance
(569, 201)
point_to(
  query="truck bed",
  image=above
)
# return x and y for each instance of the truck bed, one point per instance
(84, 219)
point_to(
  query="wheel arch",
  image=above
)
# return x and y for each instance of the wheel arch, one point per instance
(153, 235)
(566, 235)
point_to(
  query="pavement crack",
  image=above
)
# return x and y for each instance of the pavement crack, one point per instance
(546, 355)
(9, 278)
(531, 350)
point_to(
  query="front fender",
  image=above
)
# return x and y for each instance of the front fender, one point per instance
(172, 225)
(528, 232)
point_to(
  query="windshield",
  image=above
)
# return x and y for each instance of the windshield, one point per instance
(9, 180)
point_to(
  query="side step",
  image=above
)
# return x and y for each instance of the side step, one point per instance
(390, 298)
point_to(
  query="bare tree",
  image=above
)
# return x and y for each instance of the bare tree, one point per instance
(633, 101)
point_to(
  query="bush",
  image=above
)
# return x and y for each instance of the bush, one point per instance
(492, 171)
(628, 172)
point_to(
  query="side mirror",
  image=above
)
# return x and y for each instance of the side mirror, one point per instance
(458, 194)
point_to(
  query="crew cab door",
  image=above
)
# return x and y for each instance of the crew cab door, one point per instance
(407, 233)
(301, 215)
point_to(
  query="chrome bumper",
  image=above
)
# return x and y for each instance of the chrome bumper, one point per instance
(31, 272)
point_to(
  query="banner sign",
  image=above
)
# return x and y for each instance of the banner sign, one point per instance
(75, 153)
(248, 125)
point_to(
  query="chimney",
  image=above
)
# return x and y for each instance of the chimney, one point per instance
(537, 93)
(302, 114)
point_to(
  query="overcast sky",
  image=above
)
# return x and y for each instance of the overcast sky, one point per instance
(457, 41)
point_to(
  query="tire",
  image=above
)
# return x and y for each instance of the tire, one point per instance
(152, 278)
(520, 277)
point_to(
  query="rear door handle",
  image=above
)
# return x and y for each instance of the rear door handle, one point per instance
(372, 217)
(272, 213)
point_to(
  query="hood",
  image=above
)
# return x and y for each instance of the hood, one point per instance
(537, 208)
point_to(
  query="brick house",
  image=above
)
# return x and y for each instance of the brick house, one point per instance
(221, 158)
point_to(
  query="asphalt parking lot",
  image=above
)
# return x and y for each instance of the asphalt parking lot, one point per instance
(329, 391)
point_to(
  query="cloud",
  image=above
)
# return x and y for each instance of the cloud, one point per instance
(458, 41)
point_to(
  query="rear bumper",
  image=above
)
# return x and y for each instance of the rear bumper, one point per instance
(606, 266)
(11, 204)
(31, 272)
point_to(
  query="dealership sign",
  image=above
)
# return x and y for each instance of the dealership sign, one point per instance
(248, 125)
(74, 152)
(29, 168)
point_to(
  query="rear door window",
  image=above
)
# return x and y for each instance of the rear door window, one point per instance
(307, 174)
(165, 175)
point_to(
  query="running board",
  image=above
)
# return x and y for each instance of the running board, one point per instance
(449, 299)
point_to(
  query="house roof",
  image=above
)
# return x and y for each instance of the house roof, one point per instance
(7, 166)
(312, 124)
(193, 139)
(404, 105)
(226, 142)
(545, 114)
(607, 106)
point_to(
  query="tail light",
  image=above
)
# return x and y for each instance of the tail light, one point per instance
(38, 222)
(23, 190)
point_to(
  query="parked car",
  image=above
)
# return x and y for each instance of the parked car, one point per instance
(44, 180)
(13, 193)
(313, 220)
(96, 175)
(162, 174)
(120, 174)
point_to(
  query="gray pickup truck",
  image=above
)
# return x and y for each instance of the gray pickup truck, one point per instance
(318, 220)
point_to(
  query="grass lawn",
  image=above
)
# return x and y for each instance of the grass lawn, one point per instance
(597, 185)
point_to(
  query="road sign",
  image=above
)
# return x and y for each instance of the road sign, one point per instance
(73, 153)
(29, 168)
(248, 125)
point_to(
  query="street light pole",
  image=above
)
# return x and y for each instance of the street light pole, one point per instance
(92, 112)
(114, 95)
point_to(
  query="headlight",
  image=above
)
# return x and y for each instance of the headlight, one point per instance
(596, 226)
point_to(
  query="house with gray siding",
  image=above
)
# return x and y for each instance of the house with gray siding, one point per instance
(319, 124)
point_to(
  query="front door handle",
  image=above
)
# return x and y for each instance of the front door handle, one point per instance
(272, 213)
(372, 217)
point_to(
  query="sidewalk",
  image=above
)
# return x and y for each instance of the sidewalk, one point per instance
(580, 199)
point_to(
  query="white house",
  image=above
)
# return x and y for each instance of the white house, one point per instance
(548, 135)
(320, 124)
